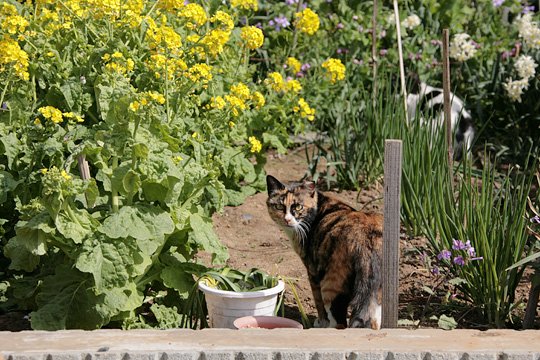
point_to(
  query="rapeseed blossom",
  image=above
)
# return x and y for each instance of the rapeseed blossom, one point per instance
(293, 85)
(237, 105)
(462, 48)
(335, 68)
(11, 22)
(275, 81)
(245, 4)
(12, 56)
(215, 40)
(241, 91)
(305, 110)
(195, 15)
(51, 113)
(258, 99)
(199, 72)
(223, 19)
(252, 36)
(217, 102)
(294, 64)
(256, 145)
(307, 21)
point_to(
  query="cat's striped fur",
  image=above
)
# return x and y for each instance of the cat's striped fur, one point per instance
(340, 248)
(428, 101)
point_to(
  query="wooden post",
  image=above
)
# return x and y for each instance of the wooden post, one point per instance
(448, 104)
(401, 64)
(390, 262)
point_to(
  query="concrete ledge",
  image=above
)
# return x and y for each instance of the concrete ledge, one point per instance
(277, 344)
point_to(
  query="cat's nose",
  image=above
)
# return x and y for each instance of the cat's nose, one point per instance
(289, 219)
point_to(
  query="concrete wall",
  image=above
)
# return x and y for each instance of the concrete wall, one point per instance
(277, 344)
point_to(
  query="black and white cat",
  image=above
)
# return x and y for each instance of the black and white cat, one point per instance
(428, 100)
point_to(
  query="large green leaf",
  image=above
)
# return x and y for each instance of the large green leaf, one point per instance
(30, 243)
(7, 184)
(75, 224)
(203, 235)
(106, 261)
(147, 224)
(12, 147)
(67, 300)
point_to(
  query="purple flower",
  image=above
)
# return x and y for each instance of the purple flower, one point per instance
(342, 51)
(4, 106)
(436, 42)
(305, 67)
(458, 260)
(497, 3)
(383, 52)
(279, 22)
(458, 245)
(340, 26)
(535, 219)
(357, 62)
(355, 18)
(435, 270)
(471, 251)
(291, 2)
(444, 255)
(527, 9)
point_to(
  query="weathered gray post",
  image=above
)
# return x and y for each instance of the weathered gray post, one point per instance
(447, 103)
(390, 273)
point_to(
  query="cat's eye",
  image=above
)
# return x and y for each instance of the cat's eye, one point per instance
(298, 207)
(278, 206)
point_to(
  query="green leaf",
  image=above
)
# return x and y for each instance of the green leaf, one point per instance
(7, 184)
(203, 235)
(131, 182)
(67, 300)
(274, 141)
(12, 147)
(75, 224)
(108, 263)
(177, 278)
(147, 224)
(447, 322)
(166, 317)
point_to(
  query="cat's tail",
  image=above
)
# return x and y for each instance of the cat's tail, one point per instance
(366, 304)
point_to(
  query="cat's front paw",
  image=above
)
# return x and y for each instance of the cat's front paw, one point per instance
(321, 323)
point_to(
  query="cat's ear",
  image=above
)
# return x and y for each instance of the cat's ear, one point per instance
(273, 184)
(310, 186)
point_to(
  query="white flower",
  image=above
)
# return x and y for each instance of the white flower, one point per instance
(461, 48)
(391, 19)
(529, 31)
(525, 66)
(515, 88)
(411, 22)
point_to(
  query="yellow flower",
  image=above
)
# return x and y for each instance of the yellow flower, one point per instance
(195, 15)
(236, 104)
(223, 19)
(304, 110)
(275, 81)
(52, 113)
(215, 40)
(241, 91)
(335, 69)
(252, 36)
(217, 103)
(117, 55)
(256, 145)
(134, 106)
(37, 122)
(231, 124)
(12, 55)
(245, 4)
(177, 159)
(307, 21)
(43, 171)
(170, 5)
(199, 72)
(70, 115)
(293, 85)
(65, 175)
(258, 99)
(155, 96)
(293, 64)
(163, 37)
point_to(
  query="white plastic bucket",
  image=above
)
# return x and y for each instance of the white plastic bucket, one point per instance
(226, 306)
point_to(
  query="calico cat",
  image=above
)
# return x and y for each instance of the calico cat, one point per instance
(340, 248)
(428, 100)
